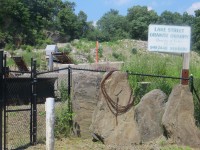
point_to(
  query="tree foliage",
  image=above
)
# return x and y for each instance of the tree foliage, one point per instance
(113, 25)
(196, 31)
(25, 21)
(38, 22)
(139, 18)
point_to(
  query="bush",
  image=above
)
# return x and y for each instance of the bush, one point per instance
(100, 52)
(134, 51)
(63, 120)
(10, 46)
(67, 49)
(118, 56)
(41, 44)
(29, 48)
(196, 100)
(90, 58)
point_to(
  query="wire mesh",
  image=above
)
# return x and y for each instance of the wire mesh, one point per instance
(56, 84)
(196, 96)
(144, 83)
(18, 127)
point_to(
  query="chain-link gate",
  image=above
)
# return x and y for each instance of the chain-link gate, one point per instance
(18, 107)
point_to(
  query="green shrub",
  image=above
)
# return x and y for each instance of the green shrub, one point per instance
(196, 101)
(118, 56)
(134, 51)
(42, 43)
(29, 48)
(63, 119)
(100, 52)
(67, 49)
(90, 58)
(63, 91)
(84, 45)
(10, 46)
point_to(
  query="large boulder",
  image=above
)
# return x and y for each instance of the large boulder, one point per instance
(178, 119)
(148, 114)
(111, 129)
(85, 93)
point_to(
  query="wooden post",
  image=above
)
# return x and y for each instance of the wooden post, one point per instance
(97, 48)
(185, 69)
(50, 117)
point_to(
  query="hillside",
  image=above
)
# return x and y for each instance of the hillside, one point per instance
(85, 51)
(133, 52)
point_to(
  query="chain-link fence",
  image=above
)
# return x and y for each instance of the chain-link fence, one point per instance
(143, 83)
(17, 112)
(74, 89)
(195, 89)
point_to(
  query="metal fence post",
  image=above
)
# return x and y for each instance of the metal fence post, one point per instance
(31, 113)
(34, 92)
(191, 81)
(69, 86)
(5, 73)
(1, 99)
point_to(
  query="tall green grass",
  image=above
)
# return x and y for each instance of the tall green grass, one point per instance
(164, 65)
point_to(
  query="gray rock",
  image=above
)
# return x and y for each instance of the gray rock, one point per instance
(84, 100)
(121, 130)
(178, 119)
(148, 114)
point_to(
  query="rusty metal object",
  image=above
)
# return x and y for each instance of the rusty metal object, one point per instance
(114, 107)
(20, 63)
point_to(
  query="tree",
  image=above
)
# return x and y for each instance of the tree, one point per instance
(139, 18)
(83, 26)
(170, 18)
(29, 21)
(187, 19)
(67, 21)
(196, 31)
(15, 21)
(113, 25)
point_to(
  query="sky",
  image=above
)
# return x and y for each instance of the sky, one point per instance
(95, 9)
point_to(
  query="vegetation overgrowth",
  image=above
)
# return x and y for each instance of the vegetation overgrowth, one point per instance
(63, 117)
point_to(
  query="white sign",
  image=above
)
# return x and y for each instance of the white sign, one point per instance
(170, 39)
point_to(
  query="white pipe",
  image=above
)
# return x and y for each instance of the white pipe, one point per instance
(50, 62)
(50, 117)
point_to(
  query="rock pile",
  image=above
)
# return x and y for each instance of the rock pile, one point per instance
(150, 119)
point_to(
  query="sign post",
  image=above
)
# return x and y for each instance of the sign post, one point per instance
(171, 39)
(185, 69)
